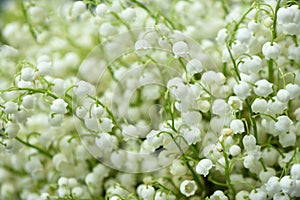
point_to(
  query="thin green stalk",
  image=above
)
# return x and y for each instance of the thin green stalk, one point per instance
(228, 171)
(234, 63)
(270, 70)
(274, 31)
(24, 11)
(186, 161)
(34, 147)
(252, 119)
(39, 90)
(109, 112)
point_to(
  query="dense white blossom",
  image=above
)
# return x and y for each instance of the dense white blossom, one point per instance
(149, 100)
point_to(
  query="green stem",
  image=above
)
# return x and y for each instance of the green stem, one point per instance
(228, 171)
(266, 115)
(109, 112)
(24, 11)
(167, 190)
(35, 147)
(217, 182)
(236, 27)
(186, 161)
(270, 71)
(234, 63)
(252, 119)
(41, 91)
(225, 7)
(274, 31)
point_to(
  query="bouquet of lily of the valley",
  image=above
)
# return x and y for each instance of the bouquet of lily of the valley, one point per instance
(149, 100)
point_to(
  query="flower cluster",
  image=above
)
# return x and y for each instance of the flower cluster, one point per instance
(152, 100)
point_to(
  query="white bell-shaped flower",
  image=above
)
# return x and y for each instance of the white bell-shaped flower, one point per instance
(295, 171)
(44, 68)
(91, 123)
(235, 103)
(244, 35)
(59, 106)
(283, 123)
(258, 194)
(283, 95)
(275, 106)
(192, 118)
(294, 52)
(242, 195)
(286, 184)
(12, 129)
(281, 196)
(27, 74)
(259, 105)
(263, 88)
(287, 139)
(78, 7)
(270, 156)
(28, 101)
(235, 150)
(180, 49)
(293, 89)
(237, 125)
(218, 195)
(221, 36)
(101, 10)
(219, 107)
(194, 66)
(251, 65)
(285, 15)
(296, 190)
(271, 51)
(178, 168)
(106, 29)
(128, 14)
(142, 45)
(273, 185)
(188, 188)
(242, 90)
(204, 166)
(192, 135)
(106, 124)
(148, 192)
(249, 141)
(10, 107)
(84, 88)
(265, 175)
